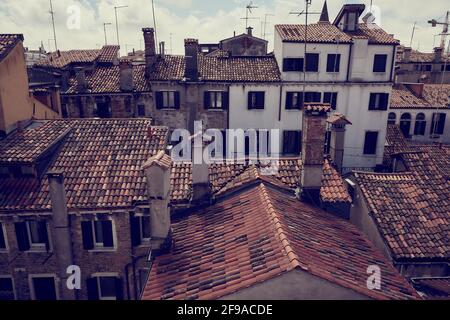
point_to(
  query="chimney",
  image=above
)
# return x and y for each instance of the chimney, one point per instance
(438, 52)
(157, 170)
(162, 49)
(416, 88)
(126, 76)
(313, 145)
(407, 54)
(191, 52)
(250, 31)
(338, 122)
(150, 49)
(324, 18)
(81, 79)
(201, 188)
(61, 229)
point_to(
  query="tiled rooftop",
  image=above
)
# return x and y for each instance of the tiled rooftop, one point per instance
(418, 57)
(434, 96)
(329, 33)
(261, 233)
(7, 43)
(227, 176)
(101, 161)
(435, 288)
(61, 59)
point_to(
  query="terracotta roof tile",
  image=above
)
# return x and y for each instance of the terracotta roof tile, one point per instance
(434, 96)
(333, 187)
(434, 288)
(338, 119)
(7, 43)
(101, 161)
(258, 234)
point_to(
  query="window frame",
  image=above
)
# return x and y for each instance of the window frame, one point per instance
(435, 124)
(333, 99)
(141, 228)
(382, 95)
(420, 125)
(12, 283)
(31, 277)
(164, 95)
(390, 119)
(299, 145)
(100, 246)
(254, 99)
(317, 66)
(40, 246)
(376, 66)
(98, 293)
(365, 147)
(5, 238)
(297, 62)
(139, 113)
(211, 97)
(334, 64)
(298, 105)
(99, 288)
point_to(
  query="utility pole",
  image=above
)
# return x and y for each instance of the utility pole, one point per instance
(248, 9)
(154, 25)
(306, 13)
(412, 35)
(104, 28)
(445, 25)
(117, 22)
(53, 22)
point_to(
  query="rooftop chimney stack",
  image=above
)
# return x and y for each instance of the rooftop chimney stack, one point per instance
(162, 49)
(61, 231)
(416, 88)
(338, 122)
(81, 79)
(126, 76)
(200, 171)
(407, 54)
(157, 171)
(191, 53)
(150, 49)
(438, 54)
(250, 31)
(313, 146)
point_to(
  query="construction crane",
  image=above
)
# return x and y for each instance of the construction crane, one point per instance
(445, 25)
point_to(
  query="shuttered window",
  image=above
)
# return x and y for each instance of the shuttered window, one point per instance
(379, 63)
(331, 98)
(32, 235)
(292, 142)
(44, 289)
(216, 100)
(167, 100)
(312, 62)
(6, 289)
(105, 288)
(293, 64)
(333, 62)
(438, 123)
(140, 228)
(370, 142)
(256, 100)
(294, 100)
(97, 234)
(2, 238)
(378, 101)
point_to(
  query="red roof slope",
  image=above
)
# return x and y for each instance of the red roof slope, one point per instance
(7, 43)
(259, 234)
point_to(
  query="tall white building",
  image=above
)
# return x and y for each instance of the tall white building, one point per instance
(348, 63)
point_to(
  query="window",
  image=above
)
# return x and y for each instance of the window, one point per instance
(256, 100)
(292, 142)
(312, 62)
(167, 100)
(253, 139)
(105, 288)
(140, 228)
(313, 97)
(370, 142)
(419, 128)
(97, 234)
(293, 64)
(427, 67)
(405, 124)
(44, 288)
(32, 235)
(445, 67)
(417, 67)
(141, 110)
(216, 100)
(379, 63)
(438, 123)
(294, 100)
(2, 238)
(333, 62)
(6, 289)
(103, 110)
(379, 101)
(392, 118)
(331, 98)
(351, 21)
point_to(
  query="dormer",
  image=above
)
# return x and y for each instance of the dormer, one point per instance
(348, 18)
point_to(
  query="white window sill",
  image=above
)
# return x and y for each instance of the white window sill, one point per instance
(103, 250)
(216, 109)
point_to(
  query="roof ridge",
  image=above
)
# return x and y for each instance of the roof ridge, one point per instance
(294, 259)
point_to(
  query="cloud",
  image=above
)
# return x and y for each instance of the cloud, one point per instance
(189, 18)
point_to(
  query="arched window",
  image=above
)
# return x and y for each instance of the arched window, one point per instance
(392, 118)
(420, 126)
(405, 124)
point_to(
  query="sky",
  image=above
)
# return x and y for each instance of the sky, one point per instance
(79, 23)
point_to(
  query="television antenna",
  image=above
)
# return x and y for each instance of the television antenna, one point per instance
(248, 10)
(52, 13)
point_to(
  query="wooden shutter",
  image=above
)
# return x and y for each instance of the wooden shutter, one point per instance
(289, 100)
(384, 101)
(312, 62)
(159, 100)
(441, 123)
(92, 289)
(260, 100)
(135, 231)
(286, 64)
(177, 100)
(373, 97)
(225, 100)
(119, 289)
(207, 99)
(23, 241)
(43, 234)
(88, 237)
(370, 144)
(108, 240)
(249, 100)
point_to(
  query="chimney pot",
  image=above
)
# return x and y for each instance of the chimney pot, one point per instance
(81, 79)
(150, 49)
(250, 31)
(416, 88)
(191, 56)
(126, 76)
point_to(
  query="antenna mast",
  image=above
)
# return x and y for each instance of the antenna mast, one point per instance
(412, 35)
(445, 25)
(53, 23)
(154, 24)
(248, 9)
